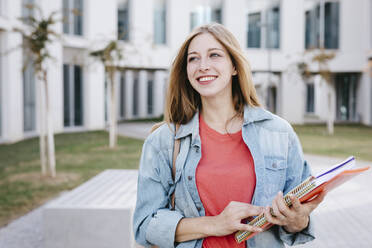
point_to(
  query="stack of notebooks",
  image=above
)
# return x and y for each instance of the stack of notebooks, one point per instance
(309, 189)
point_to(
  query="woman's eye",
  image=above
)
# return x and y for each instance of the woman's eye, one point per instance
(192, 59)
(215, 55)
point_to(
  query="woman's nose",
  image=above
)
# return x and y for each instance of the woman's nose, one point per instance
(204, 65)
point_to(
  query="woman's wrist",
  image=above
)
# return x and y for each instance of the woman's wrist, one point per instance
(299, 225)
(196, 228)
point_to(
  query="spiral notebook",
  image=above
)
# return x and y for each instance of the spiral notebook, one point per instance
(308, 189)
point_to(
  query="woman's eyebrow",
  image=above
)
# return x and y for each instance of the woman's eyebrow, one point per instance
(210, 49)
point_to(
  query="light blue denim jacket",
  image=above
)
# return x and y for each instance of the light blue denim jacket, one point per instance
(279, 166)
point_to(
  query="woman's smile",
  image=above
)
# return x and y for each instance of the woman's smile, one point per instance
(205, 80)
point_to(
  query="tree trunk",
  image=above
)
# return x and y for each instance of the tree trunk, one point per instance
(50, 135)
(330, 122)
(42, 137)
(113, 120)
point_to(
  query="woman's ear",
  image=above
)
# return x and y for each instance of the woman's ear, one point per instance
(234, 72)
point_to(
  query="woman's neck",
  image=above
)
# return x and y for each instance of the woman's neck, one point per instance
(219, 115)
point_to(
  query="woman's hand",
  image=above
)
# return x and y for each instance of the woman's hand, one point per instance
(229, 220)
(294, 218)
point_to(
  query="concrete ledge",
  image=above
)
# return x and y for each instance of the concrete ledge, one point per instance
(97, 214)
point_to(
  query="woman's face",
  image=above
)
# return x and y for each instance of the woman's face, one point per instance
(209, 67)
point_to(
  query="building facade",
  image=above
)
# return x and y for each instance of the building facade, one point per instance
(276, 35)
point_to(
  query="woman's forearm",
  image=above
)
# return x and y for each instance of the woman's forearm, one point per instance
(195, 228)
(227, 222)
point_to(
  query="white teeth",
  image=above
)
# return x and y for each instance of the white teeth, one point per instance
(203, 79)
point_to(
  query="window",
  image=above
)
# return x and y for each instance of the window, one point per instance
(310, 97)
(370, 28)
(122, 95)
(271, 99)
(72, 95)
(27, 10)
(135, 93)
(73, 17)
(1, 86)
(123, 20)
(160, 20)
(264, 25)
(204, 14)
(331, 25)
(322, 31)
(346, 89)
(273, 28)
(254, 30)
(29, 102)
(150, 92)
(2, 7)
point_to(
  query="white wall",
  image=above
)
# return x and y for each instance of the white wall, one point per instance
(100, 26)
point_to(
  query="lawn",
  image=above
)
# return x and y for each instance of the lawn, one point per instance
(79, 157)
(347, 140)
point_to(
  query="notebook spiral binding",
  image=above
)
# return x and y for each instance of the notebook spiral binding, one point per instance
(260, 220)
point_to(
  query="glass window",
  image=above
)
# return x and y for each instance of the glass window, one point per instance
(123, 20)
(27, 9)
(331, 25)
(314, 23)
(160, 20)
(73, 17)
(135, 93)
(150, 92)
(310, 97)
(273, 28)
(72, 95)
(122, 95)
(346, 88)
(29, 99)
(1, 89)
(254, 30)
(271, 99)
(204, 14)
(1, 7)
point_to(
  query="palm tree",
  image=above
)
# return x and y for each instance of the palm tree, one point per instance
(110, 57)
(37, 35)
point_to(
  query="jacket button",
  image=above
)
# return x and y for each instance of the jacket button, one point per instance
(274, 165)
(197, 149)
(189, 177)
(198, 208)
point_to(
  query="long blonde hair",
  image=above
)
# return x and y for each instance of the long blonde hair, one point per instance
(183, 101)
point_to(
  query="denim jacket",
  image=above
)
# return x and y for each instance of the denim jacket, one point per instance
(279, 166)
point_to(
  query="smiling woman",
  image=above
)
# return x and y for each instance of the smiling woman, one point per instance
(235, 158)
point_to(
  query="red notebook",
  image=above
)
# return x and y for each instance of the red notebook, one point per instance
(308, 189)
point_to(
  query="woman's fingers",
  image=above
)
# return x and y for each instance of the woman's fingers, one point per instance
(249, 228)
(316, 201)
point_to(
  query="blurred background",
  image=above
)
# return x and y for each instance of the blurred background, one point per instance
(70, 70)
(279, 38)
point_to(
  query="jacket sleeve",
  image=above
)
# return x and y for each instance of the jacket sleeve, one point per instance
(299, 171)
(153, 222)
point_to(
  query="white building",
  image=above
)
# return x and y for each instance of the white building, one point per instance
(274, 34)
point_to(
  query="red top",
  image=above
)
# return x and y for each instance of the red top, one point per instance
(225, 173)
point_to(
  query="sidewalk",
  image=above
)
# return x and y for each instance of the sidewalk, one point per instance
(343, 220)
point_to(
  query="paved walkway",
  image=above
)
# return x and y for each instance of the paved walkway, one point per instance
(343, 220)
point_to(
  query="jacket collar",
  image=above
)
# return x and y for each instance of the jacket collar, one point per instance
(251, 114)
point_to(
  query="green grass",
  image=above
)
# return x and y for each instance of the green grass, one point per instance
(347, 140)
(79, 157)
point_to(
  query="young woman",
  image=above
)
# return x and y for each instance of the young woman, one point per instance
(235, 158)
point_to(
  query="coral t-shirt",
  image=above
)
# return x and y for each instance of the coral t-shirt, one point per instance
(225, 173)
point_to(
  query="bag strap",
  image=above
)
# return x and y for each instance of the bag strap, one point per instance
(176, 151)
